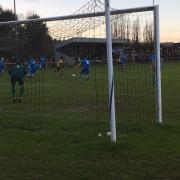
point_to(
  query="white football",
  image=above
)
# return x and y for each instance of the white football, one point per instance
(108, 133)
(99, 134)
(73, 75)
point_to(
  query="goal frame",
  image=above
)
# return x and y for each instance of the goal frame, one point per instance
(107, 14)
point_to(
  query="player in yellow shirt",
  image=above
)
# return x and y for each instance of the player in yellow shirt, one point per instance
(60, 66)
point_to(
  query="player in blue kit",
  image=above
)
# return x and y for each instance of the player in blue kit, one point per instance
(152, 59)
(42, 63)
(85, 64)
(2, 66)
(122, 61)
(32, 67)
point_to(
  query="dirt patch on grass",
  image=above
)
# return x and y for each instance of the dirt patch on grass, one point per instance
(85, 109)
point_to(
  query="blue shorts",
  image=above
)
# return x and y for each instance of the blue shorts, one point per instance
(85, 71)
(122, 63)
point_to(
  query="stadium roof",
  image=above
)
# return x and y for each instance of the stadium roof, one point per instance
(88, 40)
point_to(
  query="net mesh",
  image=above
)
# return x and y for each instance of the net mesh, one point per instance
(62, 96)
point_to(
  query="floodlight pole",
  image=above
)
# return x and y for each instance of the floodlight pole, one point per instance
(158, 65)
(110, 71)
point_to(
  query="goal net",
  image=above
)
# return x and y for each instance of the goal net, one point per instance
(66, 81)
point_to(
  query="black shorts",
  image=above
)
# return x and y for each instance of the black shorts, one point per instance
(60, 68)
(19, 80)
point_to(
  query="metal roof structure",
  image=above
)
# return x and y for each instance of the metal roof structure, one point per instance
(88, 40)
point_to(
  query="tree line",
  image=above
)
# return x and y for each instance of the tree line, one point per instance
(132, 31)
(26, 40)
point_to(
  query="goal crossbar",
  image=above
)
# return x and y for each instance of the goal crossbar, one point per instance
(78, 16)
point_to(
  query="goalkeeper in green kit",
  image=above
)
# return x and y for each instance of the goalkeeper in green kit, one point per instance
(17, 74)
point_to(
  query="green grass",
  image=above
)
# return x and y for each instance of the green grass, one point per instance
(63, 116)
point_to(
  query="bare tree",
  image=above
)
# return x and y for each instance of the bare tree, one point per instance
(119, 27)
(136, 31)
(128, 29)
(122, 28)
(114, 29)
(148, 33)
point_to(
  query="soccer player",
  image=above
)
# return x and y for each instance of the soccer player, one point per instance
(41, 62)
(152, 58)
(17, 74)
(122, 60)
(32, 67)
(2, 66)
(60, 66)
(85, 68)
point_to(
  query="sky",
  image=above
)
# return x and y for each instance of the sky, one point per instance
(169, 11)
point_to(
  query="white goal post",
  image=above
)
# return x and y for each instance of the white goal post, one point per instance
(110, 67)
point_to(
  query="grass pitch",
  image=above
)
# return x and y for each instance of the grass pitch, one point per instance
(65, 123)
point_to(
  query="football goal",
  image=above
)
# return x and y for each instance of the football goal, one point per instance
(98, 68)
